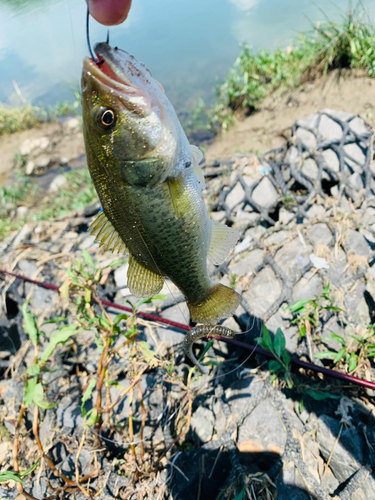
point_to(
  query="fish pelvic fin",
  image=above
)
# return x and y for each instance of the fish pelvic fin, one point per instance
(106, 234)
(141, 281)
(220, 302)
(223, 240)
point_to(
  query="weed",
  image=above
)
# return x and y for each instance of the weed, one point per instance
(15, 119)
(329, 45)
(115, 337)
(348, 357)
(280, 365)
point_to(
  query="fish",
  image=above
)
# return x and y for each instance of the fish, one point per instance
(150, 186)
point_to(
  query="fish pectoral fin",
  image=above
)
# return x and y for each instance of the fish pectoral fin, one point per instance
(223, 240)
(197, 158)
(141, 281)
(106, 234)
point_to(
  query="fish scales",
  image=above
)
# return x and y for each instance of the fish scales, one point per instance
(150, 185)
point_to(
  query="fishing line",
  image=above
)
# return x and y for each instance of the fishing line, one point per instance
(88, 35)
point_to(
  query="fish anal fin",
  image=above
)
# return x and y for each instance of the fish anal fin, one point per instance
(106, 234)
(223, 240)
(221, 302)
(141, 281)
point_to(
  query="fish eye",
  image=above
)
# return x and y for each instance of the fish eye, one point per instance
(106, 118)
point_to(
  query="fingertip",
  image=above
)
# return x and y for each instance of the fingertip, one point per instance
(109, 12)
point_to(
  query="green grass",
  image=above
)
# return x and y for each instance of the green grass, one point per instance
(15, 119)
(74, 195)
(349, 44)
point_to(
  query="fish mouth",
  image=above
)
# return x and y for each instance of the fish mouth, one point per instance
(115, 69)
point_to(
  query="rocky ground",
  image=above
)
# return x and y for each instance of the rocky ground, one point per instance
(249, 429)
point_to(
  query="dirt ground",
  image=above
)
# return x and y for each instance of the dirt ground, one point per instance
(264, 130)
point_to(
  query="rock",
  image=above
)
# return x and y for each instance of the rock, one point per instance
(315, 211)
(285, 216)
(71, 123)
(235, 196)
(361, 315)
(347, 456)
(22, 212)
(340, 115)
(355, 181)
(27, 268)
(265, 289)
(218, 216)
(359, 127)
(57, 183)
(329, 129)
(255, 233)
(331, 160)
(29, 168)
(281, 320)
(356, 242)
(247, 264)
(232, 324)
(319, 234)
(310, 168)
(307, 138)
(354, 152)
(277, 238)
(265, 193)
(262, 430)
(202, 423)
(307, 287)
(29, 145)
(292, 257)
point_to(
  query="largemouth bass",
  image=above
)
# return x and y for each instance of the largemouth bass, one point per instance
(149, 183)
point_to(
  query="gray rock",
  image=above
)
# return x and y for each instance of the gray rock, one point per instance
(288, 258)
(232, 324)
(307, 287)
(277, 238)
(58, 182)
(332, 326)
(121, 278)
(308, 138)
(308, 122)
(329, 129)
(340, 115)
(264, 290)
(265, 193)
(281, 320)
(202, 423)
(361, 315)
(27, 267)
(352, 299)
(29, 145)
(264, 428)
(235, 196)
(359, 127)
(310, 168)
(285, 216)
(315, 211)
(30, 167)
(347, 456)
(331, 160)
(355, 181)
(255, 233)
(356, 242)
(246, 264)
(355, 153)
(319, 234)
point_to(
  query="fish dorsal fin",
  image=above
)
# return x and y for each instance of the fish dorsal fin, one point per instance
(223, 239)
(197, 158)
(141, 281)
(106, 234)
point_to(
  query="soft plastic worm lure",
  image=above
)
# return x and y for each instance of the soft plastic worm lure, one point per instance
(199, 332)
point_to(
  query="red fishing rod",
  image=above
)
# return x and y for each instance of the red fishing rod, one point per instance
(246, 347)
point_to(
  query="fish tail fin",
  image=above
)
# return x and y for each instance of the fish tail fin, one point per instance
(220, 302)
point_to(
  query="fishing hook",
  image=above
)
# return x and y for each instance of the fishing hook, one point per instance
(96, 61)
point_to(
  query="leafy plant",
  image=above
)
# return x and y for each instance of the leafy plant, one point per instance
(280, 365)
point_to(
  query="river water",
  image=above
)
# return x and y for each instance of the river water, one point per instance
(188, 45)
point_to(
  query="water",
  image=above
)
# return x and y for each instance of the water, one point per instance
(188, 45)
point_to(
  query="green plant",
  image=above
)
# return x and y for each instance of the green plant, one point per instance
(329, 45)
(280, 365)
(350, 359)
